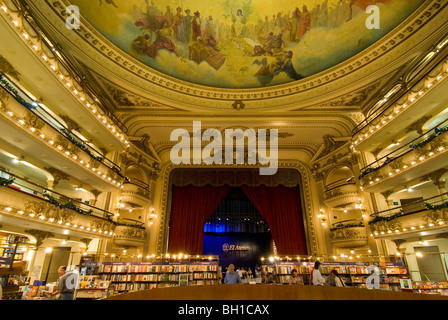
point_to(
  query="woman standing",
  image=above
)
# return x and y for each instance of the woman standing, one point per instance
(316, 277)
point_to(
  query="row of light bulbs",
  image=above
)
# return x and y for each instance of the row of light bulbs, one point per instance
(397, 171)
(60, 222)
(409, 229)
(67, 83)
(66, 153)
(273, 259)
(412, 100)
(179, 256)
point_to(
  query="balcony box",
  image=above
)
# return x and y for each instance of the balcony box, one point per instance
(129, 236)
(135, 195)
(349, 237)
(341, 196)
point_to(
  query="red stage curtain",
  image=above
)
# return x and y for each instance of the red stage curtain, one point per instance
(190, 208)
(281, 207)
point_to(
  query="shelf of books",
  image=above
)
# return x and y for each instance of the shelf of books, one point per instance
(431, 287)
(127, 276)
(354, 274)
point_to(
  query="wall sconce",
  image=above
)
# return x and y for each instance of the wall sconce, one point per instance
(152, 215)
(322, 217)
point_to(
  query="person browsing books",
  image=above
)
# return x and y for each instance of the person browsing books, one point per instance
(232, 277)
(334, 280)
(65, 288)
(294, 279)
(317, 278)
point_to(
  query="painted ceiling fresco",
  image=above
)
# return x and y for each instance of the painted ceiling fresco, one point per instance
(242, 43)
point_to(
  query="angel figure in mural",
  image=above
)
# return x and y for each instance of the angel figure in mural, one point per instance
(140, 44)
(109, 2)
(239, 29)
(268, 71)
(163, 41)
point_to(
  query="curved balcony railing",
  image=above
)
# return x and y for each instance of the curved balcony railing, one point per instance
(46, 41)
(47, 118)
(130, 233)
(138, 183)
(136, 192)
(398, 153)
(429, 62)
(338, 183)
(131, 223)
(351, 223)
(348, 234)
(341, 193)
(435, 203)
(57, 199)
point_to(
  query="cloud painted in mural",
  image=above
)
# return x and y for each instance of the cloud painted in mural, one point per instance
(242, 43)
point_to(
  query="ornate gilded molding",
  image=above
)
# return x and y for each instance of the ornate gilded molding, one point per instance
(129, 237)
(57, 175)
(39, 235)
(234, 177)
(398, 243)
(33, 121)
(435, 217)
(355, 98)
(418, 125)
(350, 237)
(71, 124)
(385, 226)
(7, 68)
(86, 241)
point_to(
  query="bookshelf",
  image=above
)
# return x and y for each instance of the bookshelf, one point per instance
(354, 274)
(134, 276)
(18, 255)
(431, 287)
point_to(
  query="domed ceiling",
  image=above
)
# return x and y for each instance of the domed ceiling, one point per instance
(238, 44)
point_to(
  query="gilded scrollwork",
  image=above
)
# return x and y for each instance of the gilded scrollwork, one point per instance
(350, 237)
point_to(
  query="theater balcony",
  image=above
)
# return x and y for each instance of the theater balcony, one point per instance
(136, 193)
(405, 104)
(421, 156)
(341, 193)
(129, 233)
(50, 77)
(34, 132)
(417, 219)
(348, 234)
(25, 205)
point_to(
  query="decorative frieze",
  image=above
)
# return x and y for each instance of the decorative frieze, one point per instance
(350, 237)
